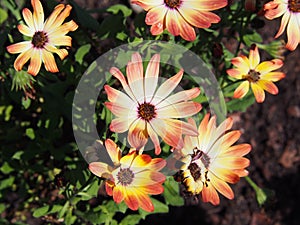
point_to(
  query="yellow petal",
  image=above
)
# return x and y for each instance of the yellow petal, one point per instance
(38, 15)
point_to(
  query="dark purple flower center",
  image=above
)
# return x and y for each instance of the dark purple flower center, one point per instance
(125, 176)
(294, 5)
(252, 76)
(146, 111)
(39, 39)
(173, 3)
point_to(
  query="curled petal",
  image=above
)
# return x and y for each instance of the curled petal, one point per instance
(22, 59)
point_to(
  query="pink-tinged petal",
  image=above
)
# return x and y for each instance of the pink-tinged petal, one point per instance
(35, 62)
(131, 200)
(180, 97)
(222, 187)
(53, 17)
(154, 138)
(232, 162)
(236, 73)
(157, 28)
(119, 98)
(172, 21)
(145, 202)
(242, 63)
(204, 5)
(241, 173)
(254, 57)
(151, 77)
(148, 4)
(100, 169)
(148, 177)
(120, 125)
(267, 66)
(138, 135)
(61, 41)
(284, 21)
(237, 150)
(113, 150)
(179, 110)
(209, 194)
(22, 59)
(258, 92)
(109, 188)
(187, 32)
(134, 71)
(156, 15)
(268, 86)
(49, 61)
(241, 90)
(273, 76)
(198, 18)
(119, 75)
(293, 32)
(274, 9)
(38, 14)
(118, 110)
(167, 87)
(19, 47)
(157, 164)
(27, 15)
(26, 30)
(119, 193)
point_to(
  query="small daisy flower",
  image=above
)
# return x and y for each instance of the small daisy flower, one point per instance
(290, 12)
(45, 37)
(180, 17)
(210, 161)
(260, 76)
(147, 111)
(131, 178)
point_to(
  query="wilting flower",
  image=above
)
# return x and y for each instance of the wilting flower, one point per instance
(45, 37)
(290, 12)
(180, 17)
(131, 178)
(148, 111)
(259, 76)
(211, 161)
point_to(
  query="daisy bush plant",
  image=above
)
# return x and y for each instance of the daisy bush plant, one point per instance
(104, 136)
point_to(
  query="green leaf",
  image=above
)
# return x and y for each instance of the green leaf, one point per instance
(8, 182)
(81, 52)
(171, 192)
(30, 133)
(159, 207)
(240, 104)
(2, 207)
(250, 39)
(120, 8)
(26, 102)
(3, 15)
(131, 220)
(47, 209)
(6, 168)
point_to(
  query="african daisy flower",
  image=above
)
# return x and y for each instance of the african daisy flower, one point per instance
(211, 161)
(147, 111)
(180, 17)
(255, 74)
(130, 178)
(45, 36)
(290, 12)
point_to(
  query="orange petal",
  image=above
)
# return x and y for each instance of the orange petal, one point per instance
(119, 98)
(27, 15)
(153, 189)
(236, 73)
(232, 162)
(224, 174)
(268, 86)
(209, 194)
(148, 4)
(38, 15)
(62, 53)
(198, 18)
(22, 59)
(119, 110)
(284, 21)
(156, 15)
(61, 41)
(49, 61)
(119, 193)
(187, 32)
(108, 188)
(145, 202)
(120, 125)
(241, 90)
(267, 66)
(204, 5)
(141, 161)
(157, 164)
(157, 28)
(258, 92)
(274, 9)
(237, 150)
(35, 62)
(273, 76)
(19, 47)
(131, 200)
(242, 63)
(154, 138)
(222, 187)
(63, 29)
(172, 22)
(53, 17)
